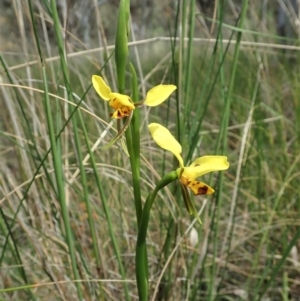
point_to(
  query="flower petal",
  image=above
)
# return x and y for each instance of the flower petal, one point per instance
(200, 188)
(101, 87)
(165, 140)
(204, 165)
(119, 114)
(118, 100)
(158, 94)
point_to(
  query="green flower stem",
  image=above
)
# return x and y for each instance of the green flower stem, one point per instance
(132, 133)
(135, 156)
(141, 247)
(121, 43)
(135, 170)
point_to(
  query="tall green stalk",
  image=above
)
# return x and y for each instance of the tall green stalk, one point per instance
(134, 147)
(121, 42)
(141, 247)
(132, 133)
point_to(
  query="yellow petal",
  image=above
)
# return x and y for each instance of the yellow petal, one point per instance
(121, 113)
(204, 165)
(158, 94)
(117, 114)
(200, 188)
(118, 100)
(101, 87)
(165, 140)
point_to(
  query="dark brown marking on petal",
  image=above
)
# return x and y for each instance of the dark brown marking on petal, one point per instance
(202, 190)
(125, 111)
(119, 114)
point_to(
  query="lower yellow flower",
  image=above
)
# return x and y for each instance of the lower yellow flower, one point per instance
(188, 174)
(122, 104)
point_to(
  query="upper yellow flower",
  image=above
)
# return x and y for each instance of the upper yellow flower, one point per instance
(189, 174)
(123, 104)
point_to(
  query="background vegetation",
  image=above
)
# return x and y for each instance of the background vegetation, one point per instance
(71, 235)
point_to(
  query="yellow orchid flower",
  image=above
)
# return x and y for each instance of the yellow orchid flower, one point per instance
(122, 104)
(201, 166)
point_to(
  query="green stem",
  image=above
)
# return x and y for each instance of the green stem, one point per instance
(121, 49)
(135, 147)
(135, 170)
(141, 247)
